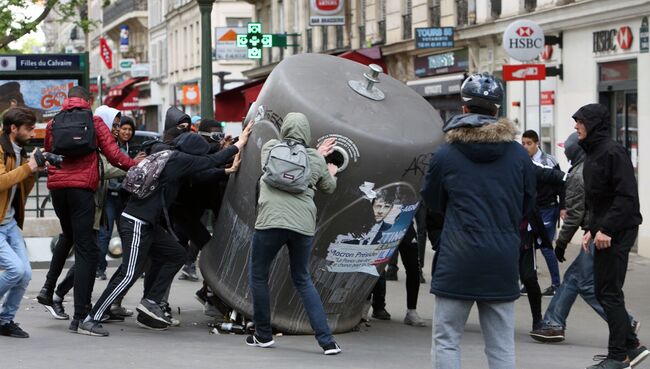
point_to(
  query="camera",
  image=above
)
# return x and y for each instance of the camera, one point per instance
(53, 159)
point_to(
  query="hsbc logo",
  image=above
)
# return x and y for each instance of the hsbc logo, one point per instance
(525, 31)
(612, 40)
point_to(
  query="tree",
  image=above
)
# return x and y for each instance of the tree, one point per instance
(14, 24)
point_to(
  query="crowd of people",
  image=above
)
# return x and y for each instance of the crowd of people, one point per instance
(484, 197)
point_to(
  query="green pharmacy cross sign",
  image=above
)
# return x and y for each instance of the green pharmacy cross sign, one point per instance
(254, 40)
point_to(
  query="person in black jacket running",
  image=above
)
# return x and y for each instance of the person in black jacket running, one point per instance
(613, 218)
(144, 236)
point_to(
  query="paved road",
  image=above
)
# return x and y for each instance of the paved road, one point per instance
(380, 345)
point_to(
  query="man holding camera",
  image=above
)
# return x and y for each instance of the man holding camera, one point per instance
(16, 181)
(72, 187)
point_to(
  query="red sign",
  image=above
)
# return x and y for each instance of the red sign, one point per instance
(524, 72)
(547, 98)
(624, 37)
(547, 53)
(524, 31)
(106, 53)
(327, 5)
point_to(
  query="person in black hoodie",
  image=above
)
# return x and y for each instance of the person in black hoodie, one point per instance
(146, 232)
(612, 221)
(175, 120)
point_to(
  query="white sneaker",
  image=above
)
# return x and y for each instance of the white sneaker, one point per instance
(412, 318)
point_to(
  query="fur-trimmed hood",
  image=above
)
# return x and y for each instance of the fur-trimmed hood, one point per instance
(483, 143)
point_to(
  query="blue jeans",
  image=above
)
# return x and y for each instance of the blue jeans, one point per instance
(266, 245)
(578, 280)
(497, 324)
(114, 207)
(17, 271)
(549, 217)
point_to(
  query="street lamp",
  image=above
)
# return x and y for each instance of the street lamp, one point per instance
(207, 108)
(222, 81)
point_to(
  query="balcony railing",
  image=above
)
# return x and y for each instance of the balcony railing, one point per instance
(121, 7)
(407, 31)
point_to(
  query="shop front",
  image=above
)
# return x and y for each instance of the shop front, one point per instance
(440, 76)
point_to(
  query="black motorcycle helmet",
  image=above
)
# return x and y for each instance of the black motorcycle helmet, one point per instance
(483, 91)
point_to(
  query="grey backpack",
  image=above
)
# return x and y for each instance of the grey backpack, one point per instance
(287, 167)
(142, 180)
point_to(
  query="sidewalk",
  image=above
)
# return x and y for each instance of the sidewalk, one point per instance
(382, 345)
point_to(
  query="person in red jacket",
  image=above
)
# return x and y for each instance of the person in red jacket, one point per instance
(72, 187)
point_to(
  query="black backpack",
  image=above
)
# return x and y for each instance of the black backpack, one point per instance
(73, 133)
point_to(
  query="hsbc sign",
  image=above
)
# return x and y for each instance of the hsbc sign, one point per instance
(523, 40)
(612, 40)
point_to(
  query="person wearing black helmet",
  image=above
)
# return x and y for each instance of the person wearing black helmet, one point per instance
(482, 182)
(612, 223)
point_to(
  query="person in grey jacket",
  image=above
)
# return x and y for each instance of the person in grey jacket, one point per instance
(290, 218)
(579, 277)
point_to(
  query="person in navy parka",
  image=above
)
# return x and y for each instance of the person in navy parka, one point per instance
(483, 183)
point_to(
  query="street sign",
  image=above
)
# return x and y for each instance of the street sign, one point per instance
(644, 44)
(524, 72)
(523, 40)
(125, 65)
(106, 53)
(140, 70)
(326, 12)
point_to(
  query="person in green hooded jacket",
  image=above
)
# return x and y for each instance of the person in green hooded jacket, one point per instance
(290, 218)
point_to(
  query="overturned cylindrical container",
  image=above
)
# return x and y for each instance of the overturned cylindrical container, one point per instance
(385, 133)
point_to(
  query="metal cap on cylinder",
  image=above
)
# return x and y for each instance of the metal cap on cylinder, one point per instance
(367, 88)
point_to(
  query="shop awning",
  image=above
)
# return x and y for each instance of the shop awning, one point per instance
(439, 85)
(124, 96)
(232, 105)
(366, 56)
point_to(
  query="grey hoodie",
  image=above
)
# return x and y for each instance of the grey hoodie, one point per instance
(295, 212)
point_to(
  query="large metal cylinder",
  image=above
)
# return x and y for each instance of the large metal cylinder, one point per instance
(383, 148)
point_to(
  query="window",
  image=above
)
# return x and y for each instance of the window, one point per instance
(496, 9)
(530, 5)
(155, 67)
(191, 53)
(361, 14)
(310, 45)
(237, 22)
(323, 32)
(407, 31)
(381, 24)
(197, 49)
(434, 13)
(466, 12)
(339, 37)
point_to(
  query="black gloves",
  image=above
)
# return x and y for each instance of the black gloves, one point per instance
(559, 252)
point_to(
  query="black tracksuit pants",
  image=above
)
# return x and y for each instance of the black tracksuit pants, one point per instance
(75, 209)
(610, 266)
(142, 241)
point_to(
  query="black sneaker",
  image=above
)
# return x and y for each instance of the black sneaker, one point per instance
(167, 310)
(120, 310)
(523, 291)
(636, 327)
(331, 349)
(153, 310)
(74, 325)
(391, 273)
(202, 296)
(607, 363)
(380, 314)
(254, 340)
(57, 310)
(144, 321)
(112, 318)
(637, 355)
(547, 335)
(92, 328)
(549, 292)
(45, 296)
(12, 329)
(101, 274)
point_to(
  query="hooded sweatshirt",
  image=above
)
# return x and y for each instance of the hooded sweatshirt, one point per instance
(575, 192)
(175, 117)
(611, 192)
(107, 114)
(482, 182)
(83, 171)
(190, 158)
(281, 209)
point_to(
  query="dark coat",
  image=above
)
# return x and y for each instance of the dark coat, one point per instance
(483, 182)
(575, 192)
(611, 192)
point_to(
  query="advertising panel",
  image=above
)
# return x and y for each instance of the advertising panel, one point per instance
(326, 12)
(226, 48)
(43, 97)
